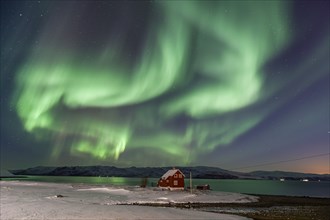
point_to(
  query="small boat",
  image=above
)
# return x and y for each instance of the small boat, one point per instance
(305, 180)
(282, 179)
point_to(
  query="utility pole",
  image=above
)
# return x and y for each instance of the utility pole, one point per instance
(190, 184)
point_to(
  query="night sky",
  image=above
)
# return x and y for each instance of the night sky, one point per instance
(231, 84)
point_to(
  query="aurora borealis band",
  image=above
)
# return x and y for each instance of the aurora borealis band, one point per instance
(154, 83)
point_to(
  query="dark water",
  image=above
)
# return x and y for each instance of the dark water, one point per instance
(266, 187)
(271, 187)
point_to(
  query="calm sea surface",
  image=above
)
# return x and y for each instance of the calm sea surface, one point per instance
(268, 187)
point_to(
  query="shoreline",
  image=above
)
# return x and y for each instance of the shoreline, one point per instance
(21, 199)
(266, 208)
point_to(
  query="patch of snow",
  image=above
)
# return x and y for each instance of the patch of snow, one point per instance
(39, 201)
(105, 189)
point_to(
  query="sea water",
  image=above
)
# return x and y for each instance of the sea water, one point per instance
(265, 187)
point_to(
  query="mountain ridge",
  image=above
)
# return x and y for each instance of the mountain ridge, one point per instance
(198, 172)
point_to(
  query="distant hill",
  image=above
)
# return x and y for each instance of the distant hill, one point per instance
(199, 172)
(290, 175)
(156, 172)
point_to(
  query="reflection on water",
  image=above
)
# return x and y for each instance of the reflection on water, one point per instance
(268, 187)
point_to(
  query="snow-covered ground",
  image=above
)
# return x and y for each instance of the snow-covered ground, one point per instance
(34, 200)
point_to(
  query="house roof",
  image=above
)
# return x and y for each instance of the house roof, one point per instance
(171, 173)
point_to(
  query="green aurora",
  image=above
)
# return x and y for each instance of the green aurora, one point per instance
(194, 87)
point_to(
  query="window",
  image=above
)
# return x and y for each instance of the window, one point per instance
(175, 182)
(167, 181)
(180, 175)
(176, 176)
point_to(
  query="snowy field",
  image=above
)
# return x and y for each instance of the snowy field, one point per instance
(34, 200)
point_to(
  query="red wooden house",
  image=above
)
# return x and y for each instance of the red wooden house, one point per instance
(172, 179)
